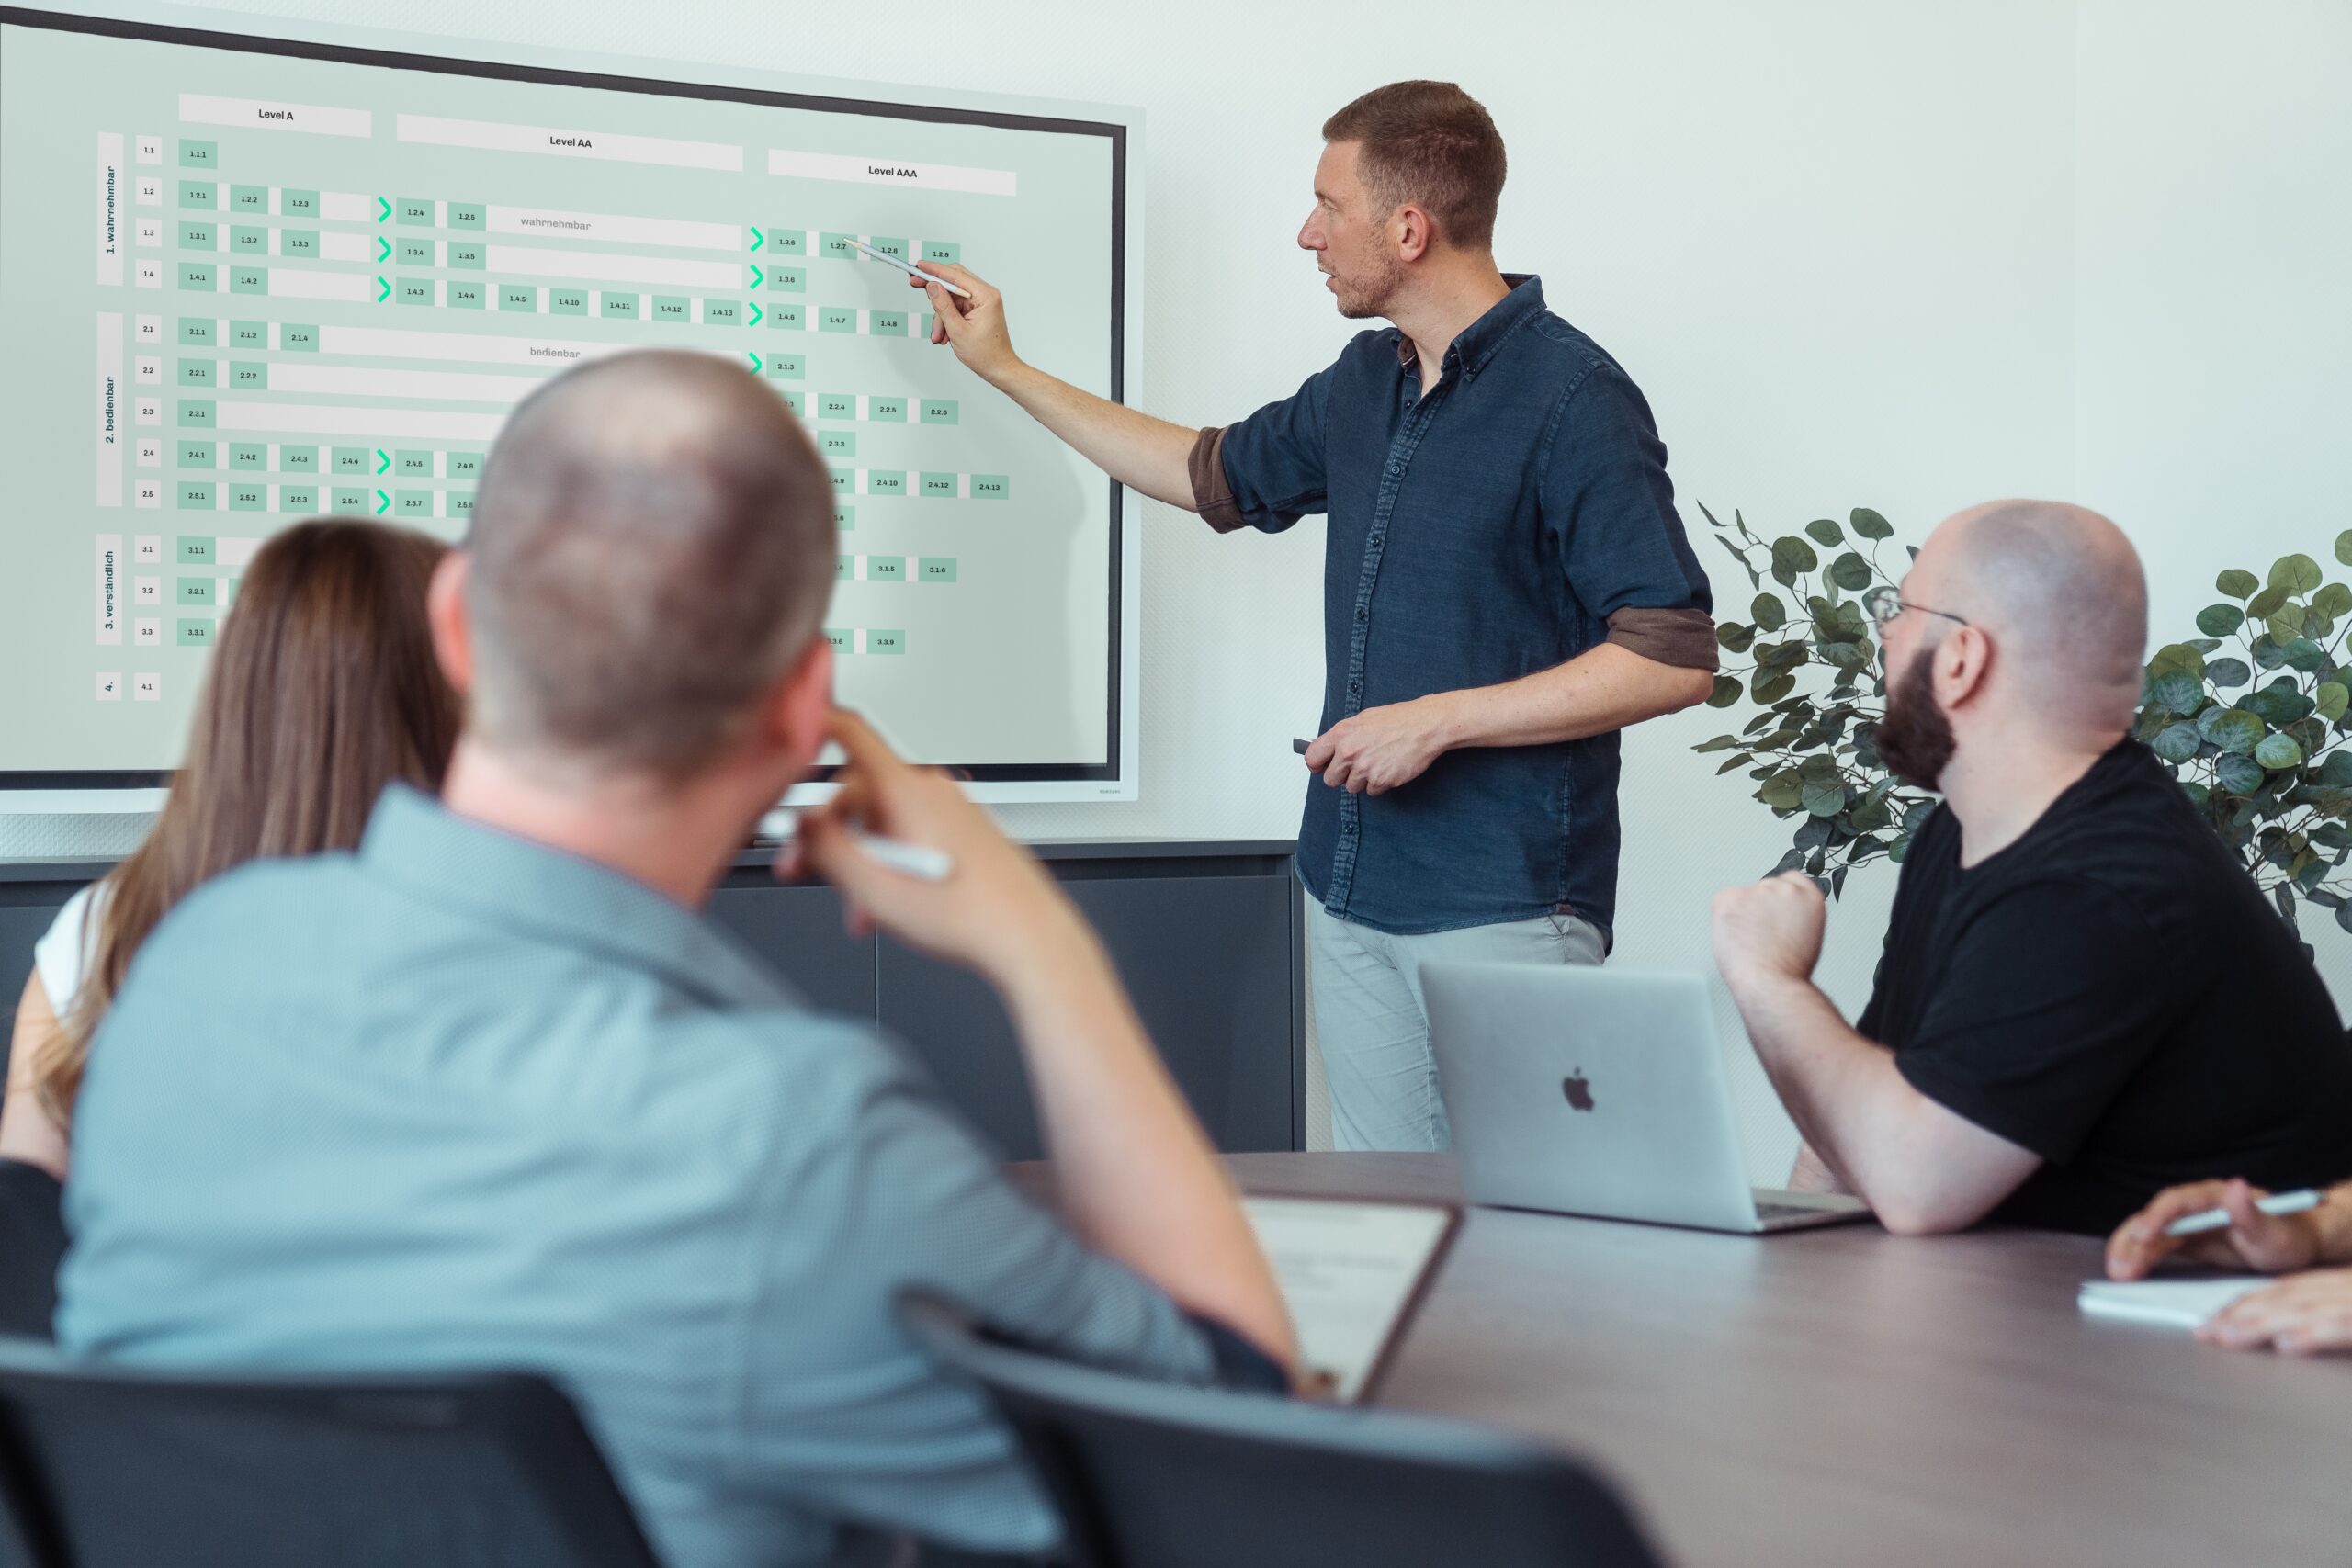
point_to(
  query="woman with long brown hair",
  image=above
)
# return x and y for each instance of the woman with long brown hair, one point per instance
(322, 689)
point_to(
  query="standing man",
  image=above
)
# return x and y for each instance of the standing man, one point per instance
(1506, 586)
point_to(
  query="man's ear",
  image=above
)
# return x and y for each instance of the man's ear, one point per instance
(445, 613)
(1412, 232)
(800, 705)
(1964, 667)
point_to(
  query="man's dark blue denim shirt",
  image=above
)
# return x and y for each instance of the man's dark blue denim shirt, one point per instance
(1501, 526)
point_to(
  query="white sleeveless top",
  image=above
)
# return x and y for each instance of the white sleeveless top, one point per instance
(61, 957)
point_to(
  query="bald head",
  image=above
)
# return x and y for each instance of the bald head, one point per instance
(2060, 590)
(652, 548)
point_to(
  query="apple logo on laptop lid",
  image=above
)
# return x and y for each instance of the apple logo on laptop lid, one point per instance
(1579, 1090)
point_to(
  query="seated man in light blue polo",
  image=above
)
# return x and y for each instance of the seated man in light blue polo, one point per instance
(490, 1092)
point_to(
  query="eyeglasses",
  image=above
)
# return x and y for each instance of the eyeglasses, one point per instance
(1883, 606)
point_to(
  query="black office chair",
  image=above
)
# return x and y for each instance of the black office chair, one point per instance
(1152, 1475)
(32, 1240)
(106, 1468)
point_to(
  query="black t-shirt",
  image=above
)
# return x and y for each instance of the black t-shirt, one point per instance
(2112, 992)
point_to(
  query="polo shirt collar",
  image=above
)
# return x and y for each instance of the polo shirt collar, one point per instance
(415, 843)
(1480, 341)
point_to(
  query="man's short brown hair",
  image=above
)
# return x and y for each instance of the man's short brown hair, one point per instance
(1433, 145)
(653, 547)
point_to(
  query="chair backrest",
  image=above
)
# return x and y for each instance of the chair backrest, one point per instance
(1152, 1475)
(32, 1241)
(106, 1468)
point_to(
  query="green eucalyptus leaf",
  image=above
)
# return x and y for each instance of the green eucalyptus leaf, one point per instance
(2330, 700)
(1900, 847)
(2333, 600)
(2266, 602)
(2304, 654)
(1740, 761)
(2296, 573)
(1825, 799)
(1794, 555)
(2343, 547)
(2178, 655)
(2285, 623)
(1725, 691)
(2267, 654)
(2233, 730)
(1769, 614)
(1782, 791)
(2177, 743)
(1871, 526)
(1720, 744)
(2228, 673)
(1741, 556)
(2177, 690)
(2278, 751)
(2237, 774)
(2238, 584)
(2220, 620)
(2344, 911)
(1850, 572)
(1825, 531)
(2318, 624)
(1771, 688)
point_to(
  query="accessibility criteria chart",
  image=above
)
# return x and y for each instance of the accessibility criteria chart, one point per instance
(239, 287)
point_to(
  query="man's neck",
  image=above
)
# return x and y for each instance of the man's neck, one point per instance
(1443, 302)
(1999, 788)
(677, 840)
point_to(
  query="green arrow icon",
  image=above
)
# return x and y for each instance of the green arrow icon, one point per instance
(758, 278)
(758, 238)
(754, 355)
(383, 503)
(383, 249)
(758, 315)
(383, 291)
(384, 461)
(383, 210)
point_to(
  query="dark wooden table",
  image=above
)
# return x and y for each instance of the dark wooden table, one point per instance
(1844, 1396)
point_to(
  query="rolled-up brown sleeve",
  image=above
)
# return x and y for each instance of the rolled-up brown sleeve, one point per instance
(1685, 638)
(1212, 491)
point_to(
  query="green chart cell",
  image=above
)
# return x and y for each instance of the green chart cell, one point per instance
(298, 460)
(836, 319)
(788, 280)
(787, 366)
(885, 569)
(794, 400)
(464, 464)
(297, 498)
(787, 241)
(616, 307)
(412, 504)
(718, 312)
(787, 318)
(886, 410)
(461, 503)
(303, 245)
(198, 332)
(251, 201)
(297, 337)
(470, 254)
(200, 193)
(193, 633)
(518, 297)
(674, 307)
(198, 495)
(298, 203)
(414, 291)
(197, 549)
(844, 568)
(840, 639)
(248, 497)
(895, 249)
(199, 236)
(413, 252)
(200, 278)
(245, 377)
(837, 405)
(412, 465)
(844, 481)
(939, 410)
(467, 295)
(946, 251)
(889, 323)
(892, 641)
(845, 517)
(467, 215)
(350, 501)
(886, 482)
(566, 301)
(194, 413)
(249, 242)
(935, 569)
(247, 456)
(836, 246)
(939, 487)
(197, 455)
(415, 211)
(196, 373)
(991, 487)
(248, 280)
(250, 336)
(200, 154)
(351, 462)
(836, 443)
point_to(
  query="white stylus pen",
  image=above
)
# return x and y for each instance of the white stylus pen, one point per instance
(2219, 1219)
(918, 861)
(910, 270)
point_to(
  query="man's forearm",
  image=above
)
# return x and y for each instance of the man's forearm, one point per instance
(1601, 688)
(1136, 1177)
(2334, 1219)
(1139, 451)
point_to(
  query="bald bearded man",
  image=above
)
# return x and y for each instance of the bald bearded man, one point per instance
(2082, 998)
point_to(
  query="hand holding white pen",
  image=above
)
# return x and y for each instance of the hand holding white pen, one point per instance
(911, 270)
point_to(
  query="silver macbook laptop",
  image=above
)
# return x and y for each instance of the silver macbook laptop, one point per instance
(1596, 1092)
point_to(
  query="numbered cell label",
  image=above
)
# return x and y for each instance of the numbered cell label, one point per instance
(935, 569)
(940, 410)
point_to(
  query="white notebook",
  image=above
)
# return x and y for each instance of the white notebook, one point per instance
(2169, 1303)
(1350, 1273)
